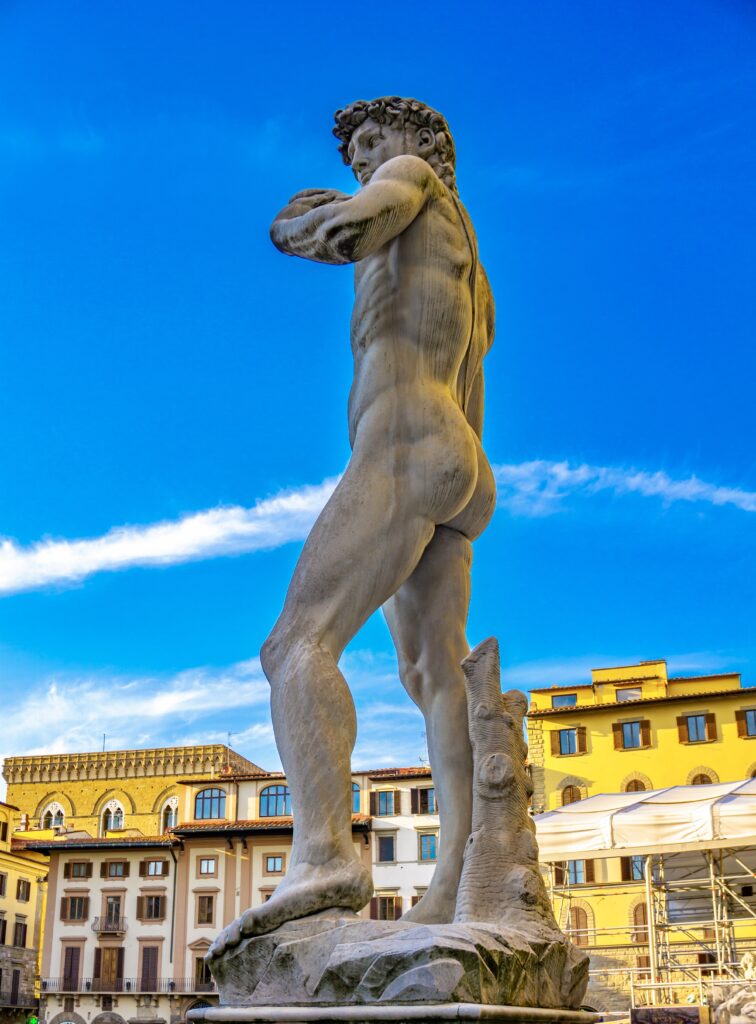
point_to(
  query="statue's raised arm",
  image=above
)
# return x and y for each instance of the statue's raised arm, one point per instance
(346, 230)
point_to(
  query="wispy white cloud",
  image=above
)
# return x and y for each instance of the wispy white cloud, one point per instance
(219, 531)
(538, 488)
(65, 712)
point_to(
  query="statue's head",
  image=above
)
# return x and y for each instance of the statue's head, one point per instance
(373, 131)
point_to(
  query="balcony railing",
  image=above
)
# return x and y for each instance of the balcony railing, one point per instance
(182, 986)
(22, 998)
(113, 925)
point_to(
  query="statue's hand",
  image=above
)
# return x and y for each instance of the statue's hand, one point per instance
(309, 199)
(319, 197)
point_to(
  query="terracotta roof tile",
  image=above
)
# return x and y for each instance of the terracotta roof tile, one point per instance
(578, 709)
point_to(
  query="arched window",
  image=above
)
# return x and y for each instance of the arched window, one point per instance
(210, 803)
(571, 795)
(640, 923)
(635, 786)
(578, 926)
(112, 817)
(700, 780)
(169, 817)
(275, 802)
(355, 798)
(53, 816)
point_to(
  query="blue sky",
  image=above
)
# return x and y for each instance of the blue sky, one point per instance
(173, 390)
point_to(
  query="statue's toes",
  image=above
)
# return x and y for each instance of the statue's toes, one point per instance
(247, 922)
(232, 934)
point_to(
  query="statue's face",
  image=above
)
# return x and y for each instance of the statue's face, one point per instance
(372, 144)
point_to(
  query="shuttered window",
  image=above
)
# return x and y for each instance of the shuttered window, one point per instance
(698, 728)
(746, 722)
(386, 908)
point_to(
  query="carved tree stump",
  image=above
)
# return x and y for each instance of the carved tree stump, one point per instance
(501, 882)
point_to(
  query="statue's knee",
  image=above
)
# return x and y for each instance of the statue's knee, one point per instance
(414, 682)
(272, 654)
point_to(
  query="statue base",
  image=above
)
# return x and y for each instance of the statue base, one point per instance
(346, 961)
(398, 1013)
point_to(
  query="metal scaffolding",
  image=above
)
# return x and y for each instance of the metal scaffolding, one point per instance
(700, 902)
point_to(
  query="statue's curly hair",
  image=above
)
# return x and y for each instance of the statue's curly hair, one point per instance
(398, 110)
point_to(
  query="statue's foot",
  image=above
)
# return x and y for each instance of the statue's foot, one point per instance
(306, 889)
(436, 906)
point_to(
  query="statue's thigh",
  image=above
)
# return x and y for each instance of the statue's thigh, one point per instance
(428, 613)
(364, 544)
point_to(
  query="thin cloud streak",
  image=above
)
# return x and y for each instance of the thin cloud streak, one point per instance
(538, 488)
(534, 489)
(233, 530)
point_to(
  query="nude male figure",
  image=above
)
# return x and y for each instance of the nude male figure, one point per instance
(397, 530)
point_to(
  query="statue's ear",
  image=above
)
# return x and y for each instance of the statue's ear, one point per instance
(426, 142)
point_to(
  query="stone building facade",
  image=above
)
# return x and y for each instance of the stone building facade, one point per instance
(22, 891)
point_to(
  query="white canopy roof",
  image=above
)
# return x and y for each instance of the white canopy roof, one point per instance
(721, 814)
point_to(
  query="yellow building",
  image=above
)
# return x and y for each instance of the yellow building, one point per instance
(22, 878)
(633, 729)
(127, 792)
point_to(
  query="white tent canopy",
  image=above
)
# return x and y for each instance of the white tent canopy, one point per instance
(644, 822)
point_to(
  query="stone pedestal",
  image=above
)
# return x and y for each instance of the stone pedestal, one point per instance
(348, 961)
(397, 1013)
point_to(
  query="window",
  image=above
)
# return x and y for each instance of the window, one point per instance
(640, 923)
(74, 908)
(3, 883)
(629, 693)
(577, 927)
(71, 965)
(423, 800)
(386, 849)
(3, 928)
(203, 979)
(53, 816)
(568, 741)
(78, 869)
(208, 865)
(635, 786)
(355, 798)
(3, 831)
(151, 908)
(115, 869)
(170, 814)
(696, 729)
(153, 868)
(428, 846)
(574, 872)
(23, 890)
(149, 973)
(571, 795)
(113, 912)
(631, 735)
(274, 863)
(746, 723)
(564, 700)
(633, 868)
(210, 803)
(19, 932)
(112, 817)
(275, 802)
(700, 780)
(699, 728)
(386, 908)
(385, 802)
(205, 907)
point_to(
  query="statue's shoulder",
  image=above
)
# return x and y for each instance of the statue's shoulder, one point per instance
(407, 168)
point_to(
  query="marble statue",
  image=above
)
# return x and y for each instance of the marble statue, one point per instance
(397, 534)
(398, 531)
